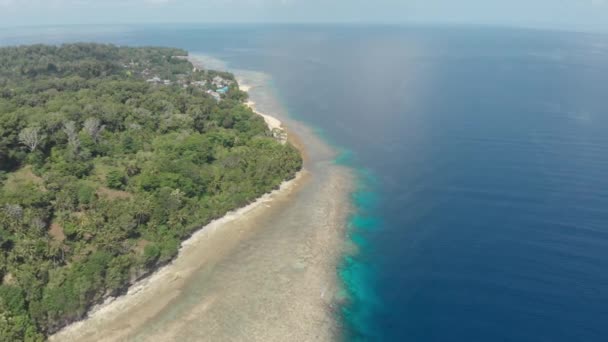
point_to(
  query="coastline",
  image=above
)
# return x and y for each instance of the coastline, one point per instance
(272, 122)
(147, 288)
(301, 293)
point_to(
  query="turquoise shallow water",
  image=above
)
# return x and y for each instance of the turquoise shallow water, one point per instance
(482, 199)
(356, 273)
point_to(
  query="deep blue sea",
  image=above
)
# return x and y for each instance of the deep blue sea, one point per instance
(482, 162)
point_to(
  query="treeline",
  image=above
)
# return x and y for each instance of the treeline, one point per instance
(103, 174)
(88, 61)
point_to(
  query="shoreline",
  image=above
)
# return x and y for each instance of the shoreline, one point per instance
(136, 293)
(304, 289)
(271, 121)
(275, 125)
(112, 304)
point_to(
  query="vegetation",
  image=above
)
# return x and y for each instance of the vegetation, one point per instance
(103, 174)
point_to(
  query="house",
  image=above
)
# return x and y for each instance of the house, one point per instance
(199, 83)
(155, 80)
(223, 90)
(215, 95)
(220, 82)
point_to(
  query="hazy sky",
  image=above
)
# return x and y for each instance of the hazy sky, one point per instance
(565, 14)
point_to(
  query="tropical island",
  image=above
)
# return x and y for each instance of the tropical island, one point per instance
(109, 158)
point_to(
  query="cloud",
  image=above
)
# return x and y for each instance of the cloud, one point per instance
(157, 2)
(7, 3)
(55, 3)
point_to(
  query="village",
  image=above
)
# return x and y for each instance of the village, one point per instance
(215, 89)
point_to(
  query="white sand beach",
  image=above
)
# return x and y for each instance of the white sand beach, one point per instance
(271, 121)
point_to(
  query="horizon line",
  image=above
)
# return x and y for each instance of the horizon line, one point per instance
(315, 23)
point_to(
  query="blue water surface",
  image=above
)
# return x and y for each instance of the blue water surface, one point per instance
(482, 162)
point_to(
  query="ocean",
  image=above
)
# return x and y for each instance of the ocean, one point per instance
(481, 157)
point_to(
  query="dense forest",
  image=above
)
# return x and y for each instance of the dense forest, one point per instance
(109, 158)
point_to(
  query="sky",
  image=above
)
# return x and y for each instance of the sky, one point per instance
(585, 15)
